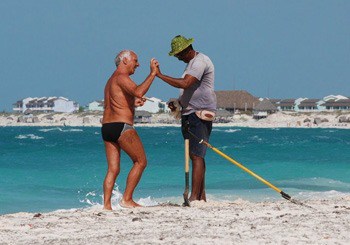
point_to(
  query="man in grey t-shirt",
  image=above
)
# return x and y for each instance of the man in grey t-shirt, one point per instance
(198, 102)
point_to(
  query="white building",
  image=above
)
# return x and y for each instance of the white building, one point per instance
(96, 105)
(335, 103)
(154, 105)
(46, 104)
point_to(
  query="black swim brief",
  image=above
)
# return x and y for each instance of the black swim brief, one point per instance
(112, 131)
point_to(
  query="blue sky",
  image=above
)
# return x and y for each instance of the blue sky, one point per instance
(277, 49)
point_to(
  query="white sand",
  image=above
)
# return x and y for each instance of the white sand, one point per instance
(238, 222)
(279, 119)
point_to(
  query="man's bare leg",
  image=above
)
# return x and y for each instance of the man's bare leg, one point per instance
(202, 195)
(130, 142)
(198, 173)
(113, 160)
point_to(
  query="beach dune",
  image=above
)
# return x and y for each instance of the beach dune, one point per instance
(237, 222)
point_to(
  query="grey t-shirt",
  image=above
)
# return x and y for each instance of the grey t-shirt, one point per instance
(201, 95)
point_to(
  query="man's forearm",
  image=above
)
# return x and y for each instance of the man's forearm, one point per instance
(175, 82)
(142, 89)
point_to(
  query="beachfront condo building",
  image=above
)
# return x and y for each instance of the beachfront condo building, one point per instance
(45, 104)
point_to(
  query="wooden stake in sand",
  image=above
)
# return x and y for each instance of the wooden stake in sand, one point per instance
(187, 170)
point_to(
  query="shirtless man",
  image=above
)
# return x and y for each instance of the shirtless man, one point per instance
(121, 96)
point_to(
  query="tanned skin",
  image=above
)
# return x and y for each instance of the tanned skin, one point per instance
(121, 96)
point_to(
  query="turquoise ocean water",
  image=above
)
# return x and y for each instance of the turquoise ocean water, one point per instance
(49, 168)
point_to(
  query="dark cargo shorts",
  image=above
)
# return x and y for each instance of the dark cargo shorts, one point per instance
(198, 127)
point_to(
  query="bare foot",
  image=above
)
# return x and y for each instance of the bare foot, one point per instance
(107, 209)
(129, 204)
(107, 206)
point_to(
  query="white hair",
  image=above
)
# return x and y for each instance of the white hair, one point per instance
(123, 54)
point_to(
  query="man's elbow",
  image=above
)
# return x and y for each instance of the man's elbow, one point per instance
(138, 94)
(188, 81)
(185, 85)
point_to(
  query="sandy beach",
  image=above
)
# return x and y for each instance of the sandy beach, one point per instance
(236, 222)
(279, 119)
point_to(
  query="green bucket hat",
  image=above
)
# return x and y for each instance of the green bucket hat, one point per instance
(179, 43)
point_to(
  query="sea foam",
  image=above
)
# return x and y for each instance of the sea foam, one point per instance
(45, 130)
(29, 136)
(226, 130)
(95, 200)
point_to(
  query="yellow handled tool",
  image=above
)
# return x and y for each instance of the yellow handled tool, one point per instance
(284, 195)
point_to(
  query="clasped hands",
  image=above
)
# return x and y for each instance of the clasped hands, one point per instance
(155, 70)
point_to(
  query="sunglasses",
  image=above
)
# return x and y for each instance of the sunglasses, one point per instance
(182, 53)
